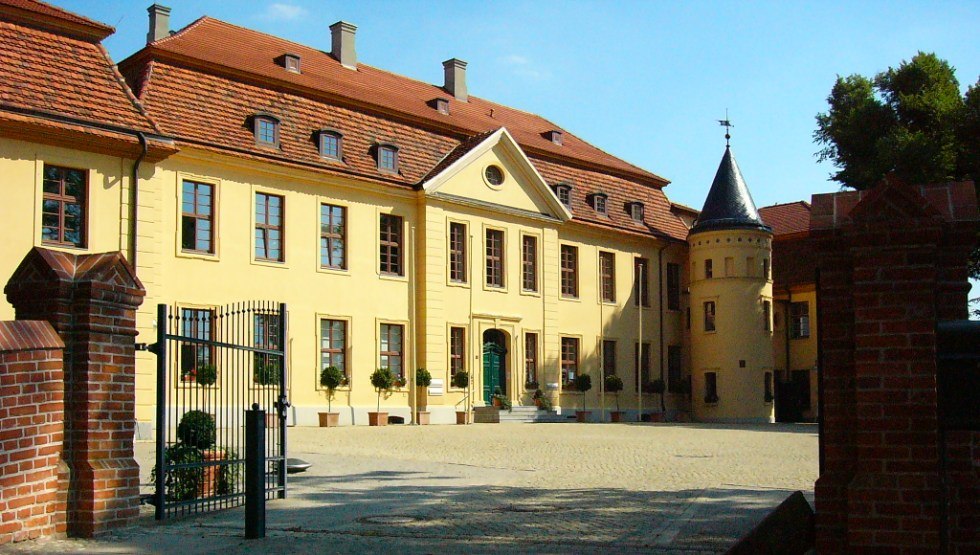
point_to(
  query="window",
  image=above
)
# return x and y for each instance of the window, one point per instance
(609, 357)
(564, 193)
(708, 269)
(391, 352)
(268, 227)
(767, 387)
(641, 284)
(710, 387)
(636, 211)
(63, 207)
(494, 175)
(607, 274)
(642, 364)
(197, 229)
(801, 384)
(457, 351)
(388, 158)
(266, 131)
(767, 315)
(391, 244)
(674, 380)
(457, 252)
(333, 237)
(196, 324)
(673, 286)
(331, 145)
(495, 258)
(765, 268)
(529, 263)
(750, 266)
(531, 359)
(266, 368)
(800, 318)
(599, 203)
(569, 360)
(688, 317)
(709, 316)
(569, 271)
(729, 266)
(333, 345)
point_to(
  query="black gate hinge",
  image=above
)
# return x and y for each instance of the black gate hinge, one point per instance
(151, 347)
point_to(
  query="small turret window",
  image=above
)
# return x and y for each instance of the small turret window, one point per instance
(708, 269)
(709, 316)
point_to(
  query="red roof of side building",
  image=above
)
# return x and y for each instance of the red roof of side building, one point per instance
(787, 219)
(203, 84)
(56, 73)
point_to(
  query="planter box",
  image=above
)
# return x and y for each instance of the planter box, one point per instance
(377, 419)
(582, 415)
(329, 419)
(617, 416)
(461, 417)
(422, 418)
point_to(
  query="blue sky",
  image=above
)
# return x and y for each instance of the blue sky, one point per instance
(645, 81)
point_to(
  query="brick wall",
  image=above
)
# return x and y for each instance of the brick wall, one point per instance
(33, 478)
(891, 265)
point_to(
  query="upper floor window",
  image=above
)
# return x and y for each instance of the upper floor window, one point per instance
(641, 281)
(266, 131)
(709, 316)
(333, 237)
(495, 258)
(529, 263)
(197, 218)
(636, 211)
(800, 318)
(268, 227)
(708, 269)
(564, 192)
(331, 145)
(607, 275)
(457, 252)
(388, 158)
(64, 206)
(391, 244)
(673, 286)
(569, 271)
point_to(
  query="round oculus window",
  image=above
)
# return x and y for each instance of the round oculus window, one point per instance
(494, 175)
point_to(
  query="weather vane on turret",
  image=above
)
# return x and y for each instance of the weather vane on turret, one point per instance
(728, 127)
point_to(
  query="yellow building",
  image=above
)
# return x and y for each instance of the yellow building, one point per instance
(405, 224)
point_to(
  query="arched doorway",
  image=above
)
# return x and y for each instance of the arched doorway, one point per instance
(494, 363)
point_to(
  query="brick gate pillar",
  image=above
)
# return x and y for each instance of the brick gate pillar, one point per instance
(892, 263)
(91, 301)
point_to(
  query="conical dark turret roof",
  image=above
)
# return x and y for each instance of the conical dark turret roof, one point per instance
(729, 204)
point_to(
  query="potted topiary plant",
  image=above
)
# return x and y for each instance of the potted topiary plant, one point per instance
(461, 379)
(582, 383)
(540, 400)
(422, 381)
(206, 375)
(614, 384)
(656, 387)
(196, 430)
(500, 400)
(330, 378)
(383, 380)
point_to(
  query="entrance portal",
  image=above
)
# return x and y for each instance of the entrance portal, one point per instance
(494, 363)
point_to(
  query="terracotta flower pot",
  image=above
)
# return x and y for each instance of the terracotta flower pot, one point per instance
(208, 485)
(422, 418)
(616, 416)
(329, 419)
(377, 418)
(582, 415)
(656, 417)
(497, 402)
(461, 417)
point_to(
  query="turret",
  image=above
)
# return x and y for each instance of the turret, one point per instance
(731, 304)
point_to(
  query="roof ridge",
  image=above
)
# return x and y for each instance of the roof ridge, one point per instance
(803, 202)
(65, 14)
(192, 25)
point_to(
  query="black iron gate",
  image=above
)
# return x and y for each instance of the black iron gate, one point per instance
(213, 363)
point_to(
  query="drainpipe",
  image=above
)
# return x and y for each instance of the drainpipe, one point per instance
(660, 283)
(134, 197)
(602, 344)
(413, 295)
(639, 341)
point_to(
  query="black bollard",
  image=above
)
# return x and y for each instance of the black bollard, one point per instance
(254, 473)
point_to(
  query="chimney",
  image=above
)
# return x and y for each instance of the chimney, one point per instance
(159, 23)
(455, 78)
(342, 44)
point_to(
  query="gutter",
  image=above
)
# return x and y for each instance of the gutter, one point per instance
(134, 197)
(84, 123)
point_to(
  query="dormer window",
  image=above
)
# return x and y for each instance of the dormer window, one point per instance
(291, 63)
(555, 136)
(599, 201)
(266, 131)
(442, 105)
(636, 211)
(564, 193)
(388, 158)
(331, 144)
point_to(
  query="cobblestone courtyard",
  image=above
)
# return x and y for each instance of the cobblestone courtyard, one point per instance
(542, 488)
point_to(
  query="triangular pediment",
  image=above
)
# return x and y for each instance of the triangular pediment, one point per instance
(463, 177)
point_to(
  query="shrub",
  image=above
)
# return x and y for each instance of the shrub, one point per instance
(614, 384)
(206, 375)
(331, 378)
(461, 380)
(583, 383)
(182, 483)
(266, 371)
(423, 378)
(196, 429)
(656, 386)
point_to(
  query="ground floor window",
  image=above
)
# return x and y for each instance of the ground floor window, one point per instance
(391, 349)
(642, 360)
(531, 359)
(196, 359)
(767, 386)
(674, 369)
(333, 345)
(266, 367)
(710, 387)
(801, 383)
(609, 357)
(569, 360)
(457, 351)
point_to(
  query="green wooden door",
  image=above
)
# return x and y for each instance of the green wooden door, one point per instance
(493, 369)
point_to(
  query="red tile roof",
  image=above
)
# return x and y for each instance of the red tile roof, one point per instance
(42, 14)
(203, 84)
(787, 219)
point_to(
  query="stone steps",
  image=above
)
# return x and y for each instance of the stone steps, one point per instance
(517, 415)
